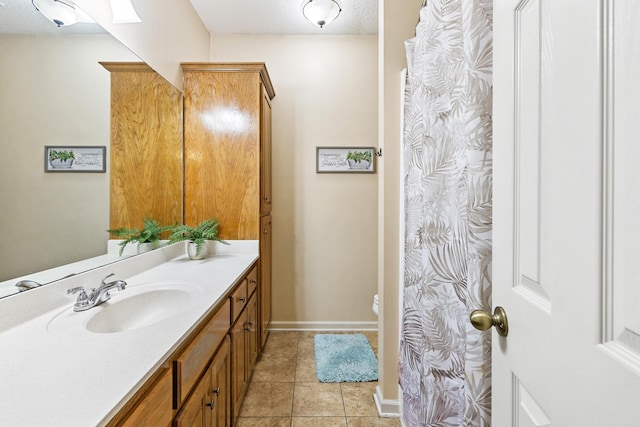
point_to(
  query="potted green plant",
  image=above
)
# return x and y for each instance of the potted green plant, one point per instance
(148, 237)
(61, 159)
(197, 236)
(359, 159)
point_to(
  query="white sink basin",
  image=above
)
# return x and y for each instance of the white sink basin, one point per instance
(138, 311)
(133, 308)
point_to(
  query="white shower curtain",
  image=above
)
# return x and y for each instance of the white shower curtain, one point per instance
(445, 363)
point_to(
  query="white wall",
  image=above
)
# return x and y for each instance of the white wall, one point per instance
(324, 225)
(54, 92)
(170, 32)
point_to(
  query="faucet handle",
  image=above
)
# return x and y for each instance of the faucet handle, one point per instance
(80, 289)
(103, 282)
(83, 298)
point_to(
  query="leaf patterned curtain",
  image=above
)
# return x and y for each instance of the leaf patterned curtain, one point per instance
(445, 364)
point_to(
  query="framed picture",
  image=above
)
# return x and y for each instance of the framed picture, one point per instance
(345, 160)
(75, 159)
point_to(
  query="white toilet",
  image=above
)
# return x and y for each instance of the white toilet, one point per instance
(375, 304)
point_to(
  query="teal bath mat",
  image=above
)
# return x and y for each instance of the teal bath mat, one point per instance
(344, 358)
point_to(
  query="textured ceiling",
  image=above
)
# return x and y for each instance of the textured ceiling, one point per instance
(283, 17)
(219, 16)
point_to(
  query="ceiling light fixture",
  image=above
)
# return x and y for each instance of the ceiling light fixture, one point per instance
(123, 12)
(321, 12)
(59, 12)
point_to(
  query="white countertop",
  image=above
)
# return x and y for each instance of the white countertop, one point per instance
(54, 372)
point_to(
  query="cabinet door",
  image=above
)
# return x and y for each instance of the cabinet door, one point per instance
(154, 409)
(210, 404)
(238, 362)
(265, 278)
(196, 412)
(252, 334)
(221, 387)
(221, 151)
(265, 154)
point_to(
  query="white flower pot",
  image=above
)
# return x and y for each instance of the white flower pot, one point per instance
(192, 250)
(146, 247)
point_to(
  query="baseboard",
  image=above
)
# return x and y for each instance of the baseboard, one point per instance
(324, 326)
(386, 407)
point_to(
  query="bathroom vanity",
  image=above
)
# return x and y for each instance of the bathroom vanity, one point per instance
(177, 346)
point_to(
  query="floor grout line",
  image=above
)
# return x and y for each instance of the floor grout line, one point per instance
(302, 341)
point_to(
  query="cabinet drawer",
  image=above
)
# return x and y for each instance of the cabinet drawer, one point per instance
(252, 281)
(192, 362)
(238, 300)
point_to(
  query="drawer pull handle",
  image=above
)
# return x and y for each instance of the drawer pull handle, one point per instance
(217, 391)
(241, 299)
(210, 404)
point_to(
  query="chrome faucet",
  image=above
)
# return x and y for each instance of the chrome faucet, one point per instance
(25, 285)
(96, 296)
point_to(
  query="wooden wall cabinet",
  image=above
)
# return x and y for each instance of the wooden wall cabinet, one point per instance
(146, 133)
(227, 146)
(227, 152)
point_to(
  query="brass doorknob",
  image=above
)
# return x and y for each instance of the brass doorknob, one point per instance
(482, 320)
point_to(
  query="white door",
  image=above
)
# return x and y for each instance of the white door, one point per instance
(567, 212)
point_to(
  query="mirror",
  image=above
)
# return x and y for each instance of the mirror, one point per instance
(54, 93)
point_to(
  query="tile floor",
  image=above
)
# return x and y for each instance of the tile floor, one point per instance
(284, 390)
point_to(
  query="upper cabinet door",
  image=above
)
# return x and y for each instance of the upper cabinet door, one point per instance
(265, 154)
(225, 120)
(146, 147)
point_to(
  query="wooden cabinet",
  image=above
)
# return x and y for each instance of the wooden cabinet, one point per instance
(146, 131)
(210, 404)
(227, 152)
(204, 381)
(227, 146)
